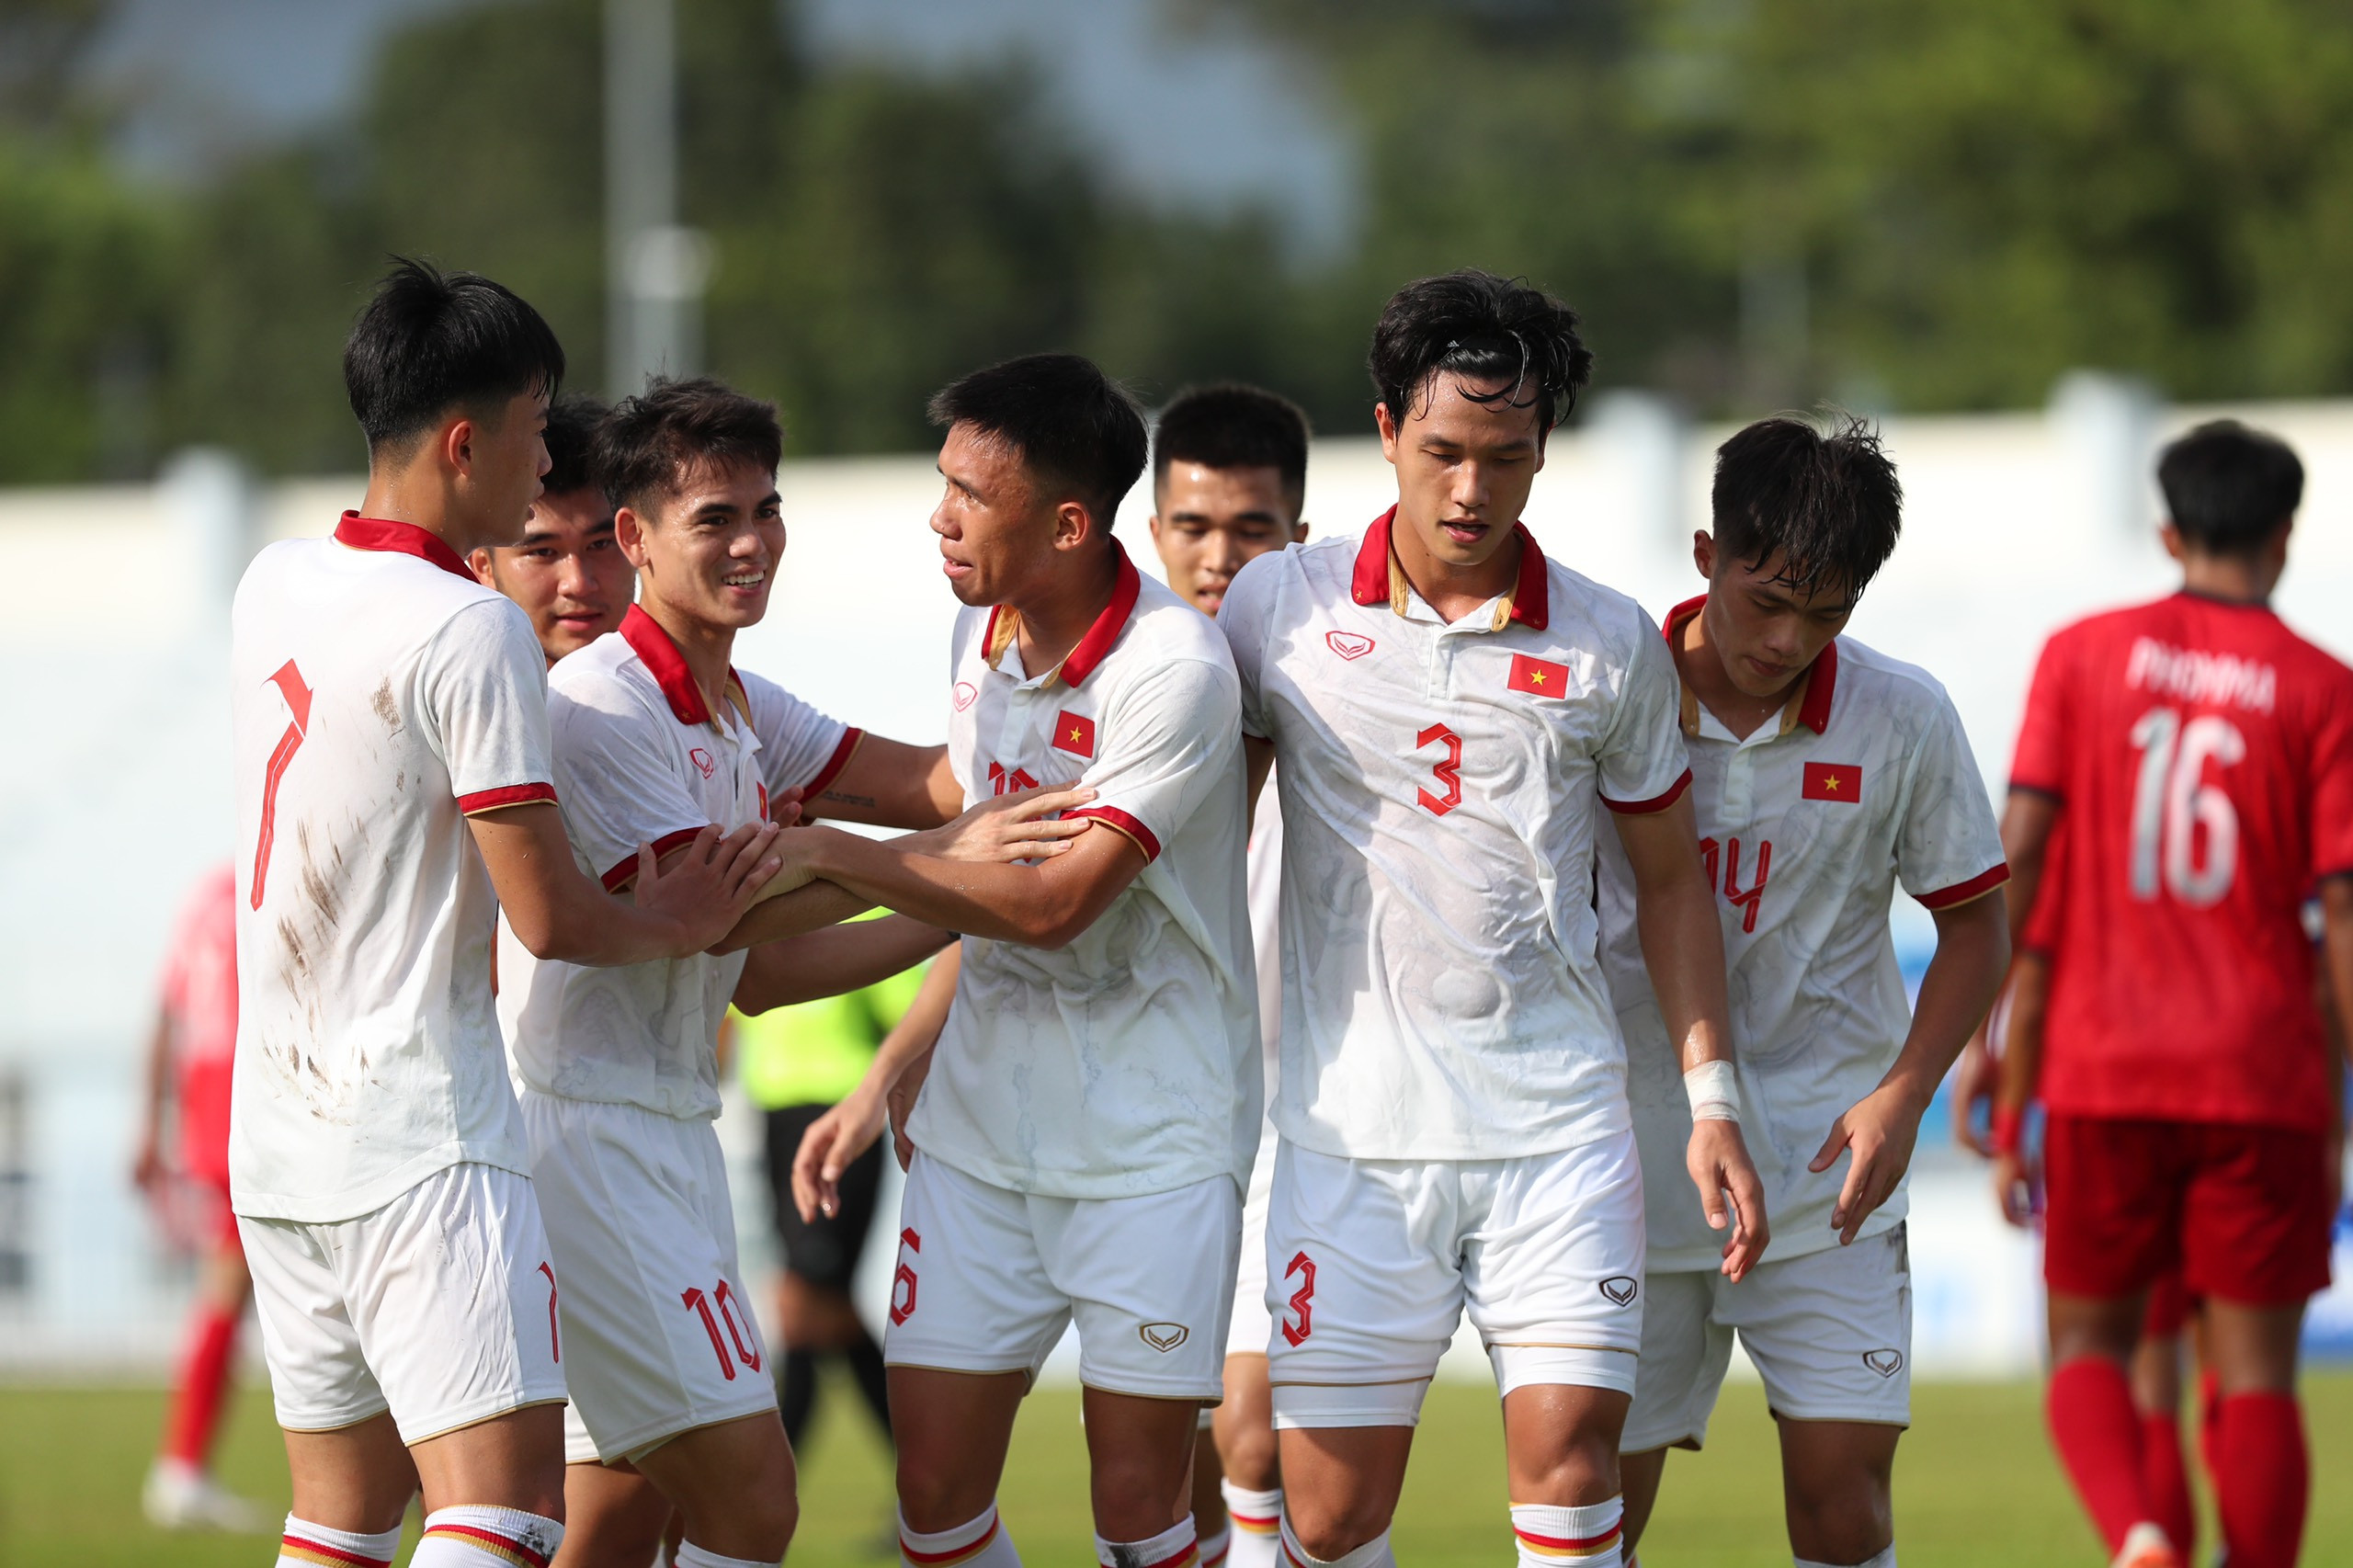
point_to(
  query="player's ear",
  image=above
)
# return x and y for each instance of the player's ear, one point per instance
(479, 561)
(628, 532)
(1073, 525)
(2171, 537)
(1298, 531)
(1386, 423)
(1703, 552)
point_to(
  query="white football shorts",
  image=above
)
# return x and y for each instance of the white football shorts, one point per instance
(1375, 1262)
(658, 1332)
(1830, 1332)
(1252, 1327)
(439, 1307)
(988, 1279)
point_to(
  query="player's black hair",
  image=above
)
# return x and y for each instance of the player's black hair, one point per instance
(2228, 486)
(430, 342)
(1233, 425)
(648, 444)
(571, 439)
(1486, 330)
(1077, 430)
(1829, 506)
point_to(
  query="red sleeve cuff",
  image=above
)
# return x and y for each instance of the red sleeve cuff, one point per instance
(619, 876)
(1655, 804)
(851, 735)
(2009, 1125)
(1113, 817)
(512, 795)
(1977, 886)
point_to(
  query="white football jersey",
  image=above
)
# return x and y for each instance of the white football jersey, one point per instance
(1441, 786)
(1128, 1061)
(641, 758)
(379, 695)
(1807, 827)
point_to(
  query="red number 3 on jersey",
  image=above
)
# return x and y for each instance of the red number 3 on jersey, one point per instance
(1448, 773)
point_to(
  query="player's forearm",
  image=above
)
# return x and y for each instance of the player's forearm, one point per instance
(2337, 959)
(918, 1029)
(1973, 954)
(805, 909)
(1005, 904)
(889, 784)
(2028, 818)
(1683, 948)
(834, 962)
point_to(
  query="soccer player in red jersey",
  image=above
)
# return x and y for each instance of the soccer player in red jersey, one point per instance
(2201, 756)
(188, 1071)
(567, 572)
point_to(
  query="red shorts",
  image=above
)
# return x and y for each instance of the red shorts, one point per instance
(2241, 1212)
(2170, 1305)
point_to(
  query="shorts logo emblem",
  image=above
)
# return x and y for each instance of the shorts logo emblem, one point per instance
(702, 762)
(903, 1283)
(1164, 1337)
(1886, 1363)
(966, 694)
(1351, 646)
(1620, 1289)
(1303, 1301)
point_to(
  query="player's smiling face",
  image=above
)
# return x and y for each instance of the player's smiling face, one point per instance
(710, 551)
(1207, 523)
(1463, 469)
(1766, 632)
(996, 535)
(569, 574)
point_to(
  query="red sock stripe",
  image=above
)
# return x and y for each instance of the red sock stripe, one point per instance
(303, 1550)
(947, 1558)
(1256, 1524)
(1569, 1546)
(505, 1547)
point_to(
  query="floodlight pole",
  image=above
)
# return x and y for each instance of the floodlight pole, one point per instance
(654, 269)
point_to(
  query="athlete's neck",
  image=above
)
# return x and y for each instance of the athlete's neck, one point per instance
(1065, 601)
(418, 494)
(1453, 588)
(1701, 660)
(708, 649)
(2233, 579)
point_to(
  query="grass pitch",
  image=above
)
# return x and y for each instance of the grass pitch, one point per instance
(1976, 1483)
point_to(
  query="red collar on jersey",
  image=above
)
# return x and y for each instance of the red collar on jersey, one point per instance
(405, 539)
(1005, 624)
(659, 654)
(1531, 597)
(1821, 680)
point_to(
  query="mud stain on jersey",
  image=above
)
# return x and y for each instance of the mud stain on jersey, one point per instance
(380, 701)
(317, 886)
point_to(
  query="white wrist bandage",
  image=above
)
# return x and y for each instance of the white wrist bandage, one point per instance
(1714, 1092)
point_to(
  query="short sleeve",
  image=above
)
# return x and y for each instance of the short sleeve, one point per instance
(1642, 763)
(621, 787)
(2040, 763)
(483, 689)
(2332, 816)
(1243, 615)
(1160, 750)
(1949, 849)
(800, 747)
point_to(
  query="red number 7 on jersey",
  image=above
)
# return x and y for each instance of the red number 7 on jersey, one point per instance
(298, 699)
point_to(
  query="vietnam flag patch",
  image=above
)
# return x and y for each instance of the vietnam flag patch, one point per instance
(1074, 733)
(1833, 782)
(1538, 678)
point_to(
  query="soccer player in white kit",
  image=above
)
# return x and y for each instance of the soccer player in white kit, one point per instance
(1824, 773)
(1228, 477)
(567, 572)
(1455, 717)
(1086, 1129)
(393, 790)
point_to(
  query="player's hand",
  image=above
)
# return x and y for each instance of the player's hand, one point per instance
(1879, 1129)
(2014, 1183)
(827, 1149)
(711, 885)
(1975, 1078)
(148, 1172)
(1010, 827)
(1719, 1163)
(902, 1101)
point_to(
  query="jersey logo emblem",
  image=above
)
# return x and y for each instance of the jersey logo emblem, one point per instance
(1538, 678)
(1831, 781)
(1350, 645)
(1164, 1337)
(1303, 1301)
(1074, 733)
(1886, 1363)
(1620, 1289)
(966, 695)
(701, 759)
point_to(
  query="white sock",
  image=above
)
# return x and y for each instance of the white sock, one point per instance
(306, 1545)
(1215, 1547)
(1583, 1537)
(979, 1543)
(1374, 1553)
(476, 1535)
(1257, 1526)
(693, 1556)
(1172, 1547)
(1883, 1558)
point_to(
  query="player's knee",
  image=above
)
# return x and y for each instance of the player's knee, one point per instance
(1249, 1458)
(936, 1495)
(1331, 1528)
(1839, 1518)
